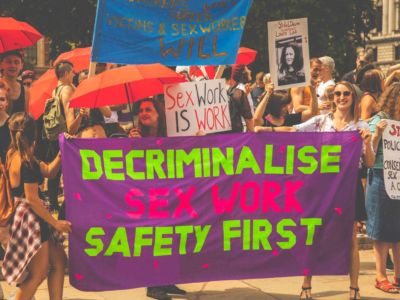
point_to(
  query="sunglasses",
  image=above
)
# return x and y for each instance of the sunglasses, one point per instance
(345, 93)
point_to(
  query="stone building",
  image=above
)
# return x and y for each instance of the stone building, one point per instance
(385, 40)
(37, 57)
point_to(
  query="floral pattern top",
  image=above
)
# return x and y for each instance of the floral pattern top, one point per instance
(324, 123)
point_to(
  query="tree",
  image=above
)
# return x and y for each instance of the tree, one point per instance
(336, 27)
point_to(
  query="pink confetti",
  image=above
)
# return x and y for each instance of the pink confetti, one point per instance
(282, 149)
(306, 272)
(155, 264)
(133, 215)
(77, 196)
(78, 276)
(275, 252)
(159, 142)
(339, 210)
(205, 266)
(108, 216)
(354, 138)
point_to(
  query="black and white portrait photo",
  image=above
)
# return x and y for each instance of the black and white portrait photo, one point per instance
(290, 61)
(289, 53)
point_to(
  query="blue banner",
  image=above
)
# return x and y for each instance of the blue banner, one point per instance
(171, 32)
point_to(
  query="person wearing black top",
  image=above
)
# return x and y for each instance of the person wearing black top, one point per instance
(273, 111)
(25, 174)
(12, 63)
(4, 132)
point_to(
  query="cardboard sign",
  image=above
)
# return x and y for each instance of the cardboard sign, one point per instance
(391, 159)
(158, 211)
(197, 106)
(289, 57)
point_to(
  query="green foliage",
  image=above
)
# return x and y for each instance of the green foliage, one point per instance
(336, 27)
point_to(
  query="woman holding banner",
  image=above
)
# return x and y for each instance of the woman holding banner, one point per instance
(344, 118)
(152, 123)
(383, 225)
(273, 110)
(33, 245)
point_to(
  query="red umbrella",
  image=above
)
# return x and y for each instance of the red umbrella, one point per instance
(15, 35)
(79, 57)
(40, 91)
(123, 85)
(245, 56)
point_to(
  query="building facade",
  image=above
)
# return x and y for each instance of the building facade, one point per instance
(37, 57)
(385, 40)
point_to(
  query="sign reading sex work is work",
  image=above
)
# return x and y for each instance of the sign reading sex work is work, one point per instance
(391, 159)
(197, 106)
(176, 210)
(172, 32)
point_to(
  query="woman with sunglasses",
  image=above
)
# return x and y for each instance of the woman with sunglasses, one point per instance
(345, 117)
(383, 225)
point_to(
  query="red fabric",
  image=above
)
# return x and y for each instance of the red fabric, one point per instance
(245, 56)
(109, 87)
(237, 72)
(40, 91)
(79, 57)
(16, 35)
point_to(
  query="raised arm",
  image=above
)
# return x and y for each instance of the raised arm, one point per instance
(298, 99)
(259, 113)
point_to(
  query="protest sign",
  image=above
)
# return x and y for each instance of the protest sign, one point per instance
(157, 211)
(289, 57)
(197, 106)
(170, 32)
(391, 159)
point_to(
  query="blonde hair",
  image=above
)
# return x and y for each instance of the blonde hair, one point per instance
(389, 102)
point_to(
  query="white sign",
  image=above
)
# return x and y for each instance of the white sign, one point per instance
(391, 159)
(192, 107)
(289, 57)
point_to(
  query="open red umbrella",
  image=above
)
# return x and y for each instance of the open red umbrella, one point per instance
(245, 56)
(40, 91)
(79, 57)
(15, 35)
(123, 85)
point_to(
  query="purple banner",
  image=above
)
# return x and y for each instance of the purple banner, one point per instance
(157, 211)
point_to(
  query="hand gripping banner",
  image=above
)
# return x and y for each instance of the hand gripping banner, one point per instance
(157, 211)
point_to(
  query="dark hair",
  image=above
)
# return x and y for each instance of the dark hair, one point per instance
(22, 128)
(62, 67)
(10, 53)
(162, 123)
(227, 73)
(298, 59)
(276, 102)
(372, 82)
(355, 107)
(27, 74)
(361, 72)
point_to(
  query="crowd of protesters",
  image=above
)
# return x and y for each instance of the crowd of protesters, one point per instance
(361, 100)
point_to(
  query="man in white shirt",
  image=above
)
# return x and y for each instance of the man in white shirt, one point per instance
(327, 69)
